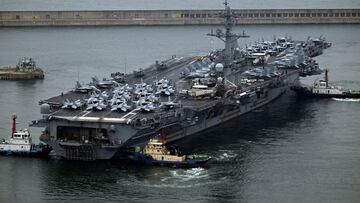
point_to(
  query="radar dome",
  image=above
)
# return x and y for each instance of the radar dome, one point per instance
(219, 67)
(45, 108)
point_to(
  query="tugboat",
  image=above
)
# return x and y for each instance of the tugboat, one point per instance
(322, 89)
(156, 153)
(26, 69)
(20, 144)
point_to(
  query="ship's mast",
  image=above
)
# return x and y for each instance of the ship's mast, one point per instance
(228, 37)
(13, 130)
(327, 77)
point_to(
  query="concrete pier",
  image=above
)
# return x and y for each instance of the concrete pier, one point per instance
(176, 17)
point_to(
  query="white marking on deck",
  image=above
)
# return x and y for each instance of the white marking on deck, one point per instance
(231, 83)
(181, 81)
(130, 113)
(85, 114)
(177, 85)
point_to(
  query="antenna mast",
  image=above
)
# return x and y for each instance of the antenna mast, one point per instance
(13, 130)
(125, 65)
(228, 37)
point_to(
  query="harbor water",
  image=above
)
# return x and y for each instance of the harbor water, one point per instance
(291, 150)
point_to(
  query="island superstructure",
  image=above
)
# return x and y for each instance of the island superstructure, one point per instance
(179, 96)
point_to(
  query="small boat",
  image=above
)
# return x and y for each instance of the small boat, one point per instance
(156, 153)
(322, 89)
(20, 144)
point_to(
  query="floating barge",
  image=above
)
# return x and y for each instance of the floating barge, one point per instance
(25, 70)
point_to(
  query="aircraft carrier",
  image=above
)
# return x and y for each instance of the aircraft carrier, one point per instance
(180, 96)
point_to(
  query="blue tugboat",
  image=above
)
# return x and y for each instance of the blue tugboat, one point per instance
(155, 153)
(20, 144)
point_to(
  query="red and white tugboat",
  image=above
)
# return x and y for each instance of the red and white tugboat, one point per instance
(20, 144)
(322, 89)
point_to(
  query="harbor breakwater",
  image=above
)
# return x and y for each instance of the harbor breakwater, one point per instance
(176, 17)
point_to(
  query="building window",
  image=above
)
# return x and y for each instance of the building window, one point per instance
(347, 14)
(285, 15)
(353, 14)
(296, 14)
(325, 14)
(302, 14)
(336, 14)
(268, 15)
(192, 15)
(209, 15)
(331, 14)
(319, 15)
(198, 15)
(273, 15)
(261, 15)
(166, 15)
(47, 16)
(203, 15)
(250, 15)
(256, 15)
(291, 14)
(17, 17)
(279, 15)
(342, 14)
(307, 14)
(313, 15)
(186, 15)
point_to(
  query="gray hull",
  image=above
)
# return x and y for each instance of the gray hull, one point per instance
(228, 113)
(124, 135)
(208, 90)
(83, 152)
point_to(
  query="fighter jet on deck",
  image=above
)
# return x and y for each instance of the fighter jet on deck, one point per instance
(82, 88)
(72, 105)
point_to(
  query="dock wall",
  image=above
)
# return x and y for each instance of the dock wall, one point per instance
(176, 17)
